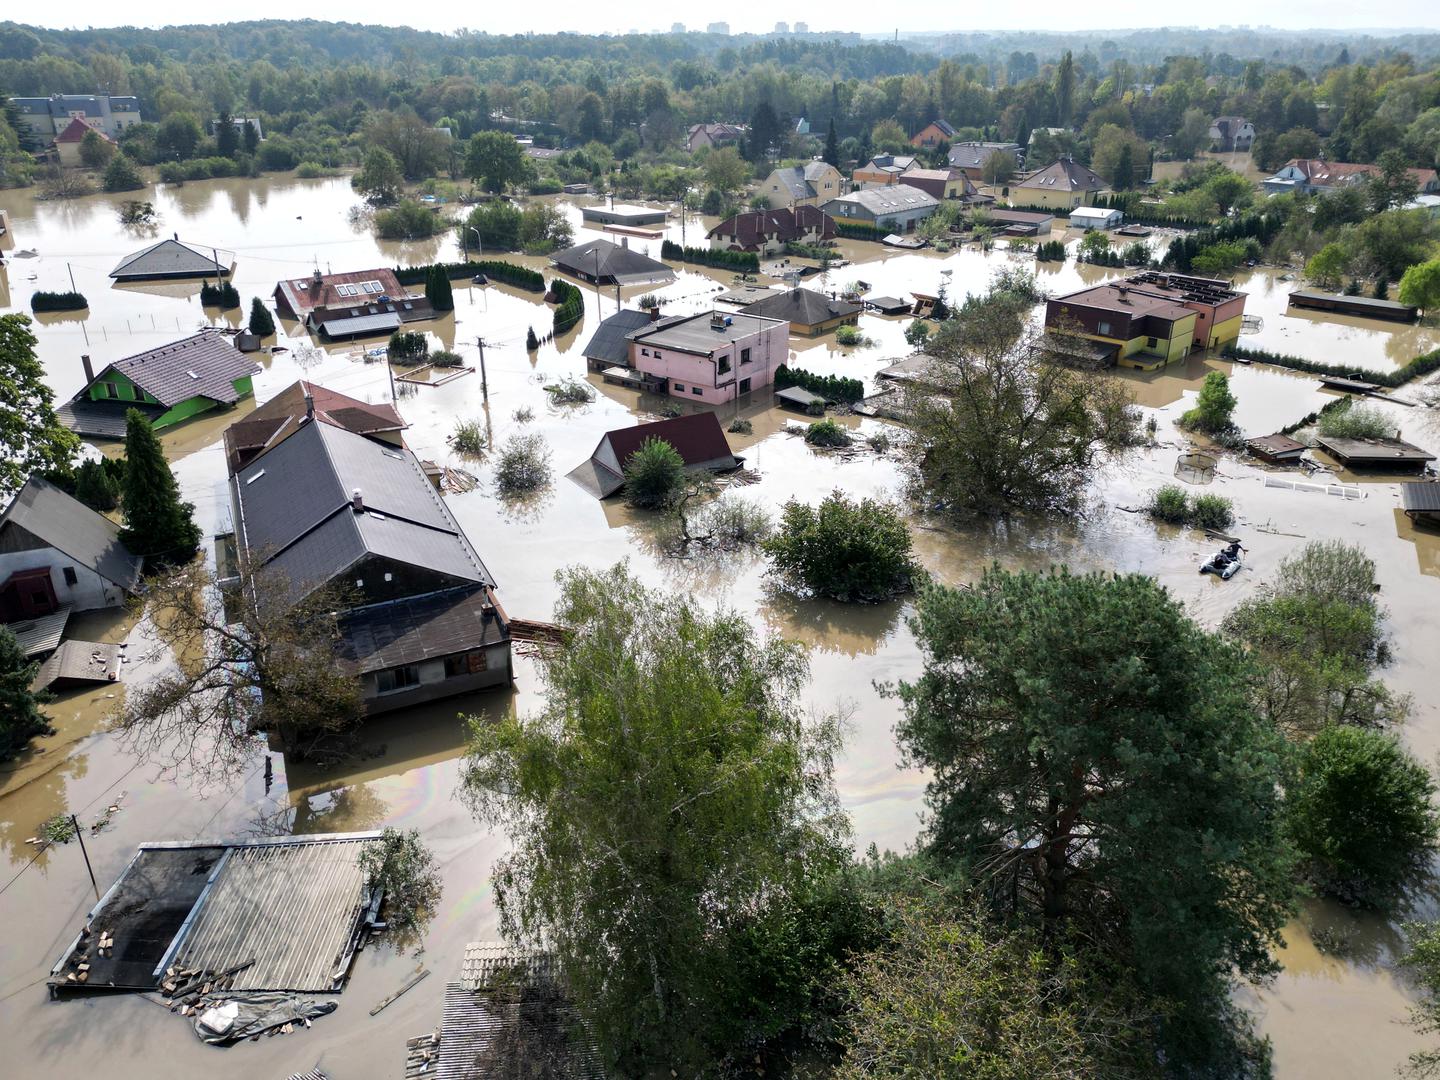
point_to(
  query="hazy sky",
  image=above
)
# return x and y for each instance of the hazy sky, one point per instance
(592, 17)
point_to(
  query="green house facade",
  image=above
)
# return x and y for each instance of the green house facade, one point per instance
(169, 384)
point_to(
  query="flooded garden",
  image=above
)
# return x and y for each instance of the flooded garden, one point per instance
(1337, 1010)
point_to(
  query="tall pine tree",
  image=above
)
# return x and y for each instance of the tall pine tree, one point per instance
(437, 289)
(832, 146)
(20, 717)
(157, 524)
(262, 323)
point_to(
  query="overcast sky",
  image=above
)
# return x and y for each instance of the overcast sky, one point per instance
(592, 17)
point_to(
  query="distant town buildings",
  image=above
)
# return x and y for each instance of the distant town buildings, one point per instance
(1063, 185)
(718, 28)
(802, 185)
(47, 117)
(895, 209)
(713, 136)
(1231, 133)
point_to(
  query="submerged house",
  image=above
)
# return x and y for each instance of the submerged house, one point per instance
(609, 347)
(173, 259)
(55, 552)
(1062, 185)
(169, 383)
(808, 312)
(1140, 319)
(361, 303)
(712, 356)
(602, 262)
(330, 505)
(697, 438)
(766, 232)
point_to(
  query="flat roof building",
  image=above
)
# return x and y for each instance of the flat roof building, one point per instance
(1219, 313)
(712, 357)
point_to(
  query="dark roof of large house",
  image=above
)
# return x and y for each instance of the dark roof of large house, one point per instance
(293, 507)
(201, 365)
(614, 262)
(173, 258)
(610, 342)
(417, 628)
(280, 417)
(754, 227)
(72, 528)
(802, 306)
(973, 155)
(1065, 175)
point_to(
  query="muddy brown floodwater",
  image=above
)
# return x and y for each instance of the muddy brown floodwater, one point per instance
(1330, 1014)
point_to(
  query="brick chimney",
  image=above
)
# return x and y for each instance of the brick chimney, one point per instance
(356, 502)
(89, 369)
(309, 405)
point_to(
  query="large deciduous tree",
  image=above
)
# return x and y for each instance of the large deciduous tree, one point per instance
(158, 524)
(670, 810)
(495, 161)
(1009, 430)
(420, 148)
(258, 659)
(380, 178)
(1098, 768)
(32, 439)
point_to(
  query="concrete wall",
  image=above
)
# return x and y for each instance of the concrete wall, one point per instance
(90, 590)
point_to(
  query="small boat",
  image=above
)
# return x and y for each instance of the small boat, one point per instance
(1225, 563)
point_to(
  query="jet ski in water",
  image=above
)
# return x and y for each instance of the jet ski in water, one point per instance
(1225, 562)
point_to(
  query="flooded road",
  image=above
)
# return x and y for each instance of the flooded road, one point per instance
(1330, 1014)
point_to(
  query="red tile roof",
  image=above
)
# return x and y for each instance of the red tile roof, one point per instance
(77, 129)
(698, 438)
(280, 417)
(754, 228)
(301, 295)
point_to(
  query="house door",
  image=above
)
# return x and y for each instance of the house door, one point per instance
(744, 386)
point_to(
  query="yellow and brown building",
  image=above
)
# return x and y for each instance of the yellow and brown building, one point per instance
(1151, 319)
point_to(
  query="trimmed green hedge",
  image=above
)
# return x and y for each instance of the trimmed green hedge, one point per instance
(1421, 365)
(571, 304)
(830, 387)
(58, 301)
(718, 258)
(504, 272)
(859, 230)
(224, 296)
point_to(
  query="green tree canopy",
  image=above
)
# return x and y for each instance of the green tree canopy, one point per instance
(1214, 406)
(1360, 813)
(670, 809)
(379, 178)
(843, 549)
(654, 475)
(1420, 286)
(122, 174)
(495, 161)
(437, 288)
(262, 323)
(158, 525)
(32, 439)
(1094, 755)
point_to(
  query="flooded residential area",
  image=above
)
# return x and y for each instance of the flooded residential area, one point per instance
(1340, 1003)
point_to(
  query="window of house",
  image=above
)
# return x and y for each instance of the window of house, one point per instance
(723, 365)
(400, 678)
(465, 663)
(1151, 342)
(680, 387)
(696, 390)
(744, 356)
(644, 352)
(1103, 329)
(70, 578)
(111, 390)
(744, 386)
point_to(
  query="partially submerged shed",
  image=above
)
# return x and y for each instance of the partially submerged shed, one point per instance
(797, 397)
(1276, 449)
(1421, 502)
(1389, 454)
(292, 909)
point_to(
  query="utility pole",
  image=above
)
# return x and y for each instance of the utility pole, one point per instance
(484, 383)
(72, 278)
(617, 299)
(79, 836)
(391, 372)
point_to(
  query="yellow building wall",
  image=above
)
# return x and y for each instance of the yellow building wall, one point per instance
(1225, 333)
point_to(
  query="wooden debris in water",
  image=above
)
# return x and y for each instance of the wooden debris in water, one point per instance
(457, 481)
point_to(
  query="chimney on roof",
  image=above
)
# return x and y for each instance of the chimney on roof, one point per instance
(89, 371)
(356, 502)
(655, 313)
(176, 235)
(317, 281)
(309, 405)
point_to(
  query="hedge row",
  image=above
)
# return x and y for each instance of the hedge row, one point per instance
(224, 296)
(1423, 364)
(58, 301)
(1138, 212)
(718, 258)
(504, 272)
(571, 304)
(830, 387)
(859, 230)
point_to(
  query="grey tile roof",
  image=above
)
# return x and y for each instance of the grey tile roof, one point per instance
(803, 306)
(614, 263)
(71, 527)
(353, 326)
(1420, 497)
(103, 419)
(201, 365)
(78, 661)
(293, 505)
(419, 628)
(170, 259)
(609, 342)
(895, 199)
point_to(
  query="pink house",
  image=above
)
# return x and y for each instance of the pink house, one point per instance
(712, 357)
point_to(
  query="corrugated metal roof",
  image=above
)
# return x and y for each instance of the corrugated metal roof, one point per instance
(103, 419)
(73, 529)
(36, 636)
(602, 259)
(361, 325)
(482, 1035)
(1420, 497)
(293, 906)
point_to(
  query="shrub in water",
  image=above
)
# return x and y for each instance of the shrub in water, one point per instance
(1211, 512)
(1352, 421)
(654, 475)
(524, 465)
(1170, 503)
(827, 433)
(446, 358)
(408, 347)
(469, 438)
(845, 550)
